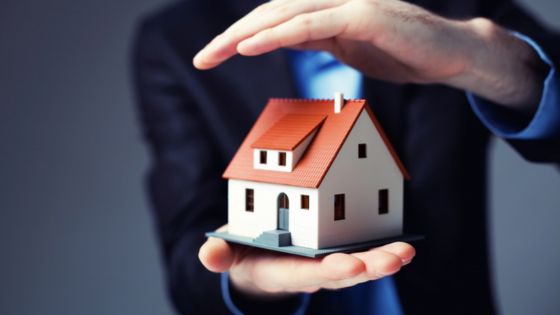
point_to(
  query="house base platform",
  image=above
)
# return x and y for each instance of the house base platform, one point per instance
(310, 252)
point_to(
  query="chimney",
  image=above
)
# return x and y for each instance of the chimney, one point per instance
(338, 102)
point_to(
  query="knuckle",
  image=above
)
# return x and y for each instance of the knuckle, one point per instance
(232, 34)
(366, 7)
(485, 26)
(267, 33)
(303, 20)
(283, 10)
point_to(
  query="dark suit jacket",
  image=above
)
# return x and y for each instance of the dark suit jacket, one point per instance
(194, 122)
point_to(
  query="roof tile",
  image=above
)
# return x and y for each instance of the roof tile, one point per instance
(288, 132)
(314, 164)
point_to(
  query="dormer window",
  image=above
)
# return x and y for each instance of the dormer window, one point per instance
(282, 158)
(282, 146)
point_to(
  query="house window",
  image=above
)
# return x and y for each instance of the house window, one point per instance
(282, 158)
(263, 157)
(339, 207)
(362, 153)
(305, 202)
(249, 200)
(383, 196)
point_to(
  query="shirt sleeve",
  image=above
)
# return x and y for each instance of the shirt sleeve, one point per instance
(296, 306)
(509, 124)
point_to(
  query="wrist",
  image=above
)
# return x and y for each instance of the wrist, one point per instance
(499, 66)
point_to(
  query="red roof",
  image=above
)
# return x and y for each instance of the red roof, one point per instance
(314, 164)
(288, 132)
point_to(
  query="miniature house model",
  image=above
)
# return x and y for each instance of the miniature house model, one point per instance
(315, 174)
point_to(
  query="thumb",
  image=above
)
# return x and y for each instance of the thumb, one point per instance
(216, 255)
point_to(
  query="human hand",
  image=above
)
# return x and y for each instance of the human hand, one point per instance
(390, 40)
(264, 273)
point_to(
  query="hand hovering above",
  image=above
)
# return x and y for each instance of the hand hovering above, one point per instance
(394, 41)
(263, 273)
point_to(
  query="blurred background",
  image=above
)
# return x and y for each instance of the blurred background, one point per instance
(76, 235)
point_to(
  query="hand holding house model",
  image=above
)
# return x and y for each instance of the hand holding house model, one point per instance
(314, 177)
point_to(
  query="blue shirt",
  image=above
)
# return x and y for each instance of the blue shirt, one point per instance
(319, 75)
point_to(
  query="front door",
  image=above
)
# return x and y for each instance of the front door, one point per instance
(283, 212)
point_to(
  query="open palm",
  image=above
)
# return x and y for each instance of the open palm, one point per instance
(261, 272)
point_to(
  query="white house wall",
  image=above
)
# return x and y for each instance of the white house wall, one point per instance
(360, 180)
(302, 222)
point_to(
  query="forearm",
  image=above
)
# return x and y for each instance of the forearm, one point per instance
(500, 67)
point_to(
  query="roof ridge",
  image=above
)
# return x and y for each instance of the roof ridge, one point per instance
(321, 152)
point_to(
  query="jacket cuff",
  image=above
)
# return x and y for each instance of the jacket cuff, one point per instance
(239, 304)
(509, 124)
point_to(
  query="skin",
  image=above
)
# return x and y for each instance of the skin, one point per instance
(384, 39)
(393, 41)
(269, 275)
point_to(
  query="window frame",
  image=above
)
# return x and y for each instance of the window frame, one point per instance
(362, 151)
(304, 202)
(282, 158)
(249, 200)
(383, 201)
(263, 156)
(339, 207)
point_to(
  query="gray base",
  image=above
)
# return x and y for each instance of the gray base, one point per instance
(310, 252)
(275, 238)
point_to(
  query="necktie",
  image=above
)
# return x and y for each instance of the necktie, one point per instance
(320, 75)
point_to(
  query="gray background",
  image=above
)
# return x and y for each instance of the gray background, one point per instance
(76, 236)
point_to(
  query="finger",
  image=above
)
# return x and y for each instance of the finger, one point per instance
(297, 273)
(379, 263)
(341, 266)
(216, 255)
(273, 13)
(403, 250)
(321, 44)
(264, 16)
(215, 52)
(302, 28)
(257, 12)
(311, 289)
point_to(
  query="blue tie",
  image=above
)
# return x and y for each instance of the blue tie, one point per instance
(319, 75)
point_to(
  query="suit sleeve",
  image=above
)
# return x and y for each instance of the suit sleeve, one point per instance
(185, 185)
(184, 175)
(537, 138)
